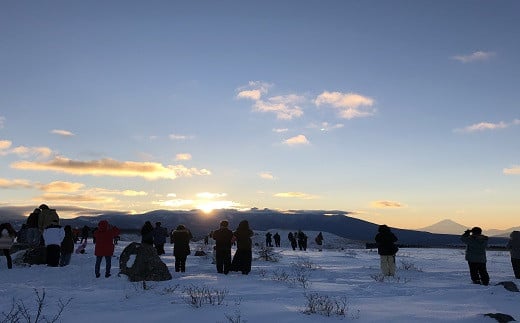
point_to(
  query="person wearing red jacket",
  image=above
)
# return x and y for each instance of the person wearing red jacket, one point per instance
(104, 236)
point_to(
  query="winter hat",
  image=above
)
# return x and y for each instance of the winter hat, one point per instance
(224, 223)
(476, 230)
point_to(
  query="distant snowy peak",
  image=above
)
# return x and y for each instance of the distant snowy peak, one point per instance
(446, 226)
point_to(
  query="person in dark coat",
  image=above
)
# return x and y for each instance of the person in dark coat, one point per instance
(67, 246)
(302, 240)
(33, 232)
(243, 255)
(292, 240)
(476, 244)
(7, 235)
(319, 240)
(268, 239)
(276, 238)
(84, 233)
(47, 217)
(223, 237)
(386, 248)
(180, 238)
(104, 246)
(159, 238)
(514, 249)
(147, 233)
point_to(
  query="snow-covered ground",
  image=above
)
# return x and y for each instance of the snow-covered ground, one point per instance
(431, 285)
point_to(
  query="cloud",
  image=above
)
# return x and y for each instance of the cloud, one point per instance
(74, 198)
(266, 175)
(39, 152)
(298, 195)
(111, 167)
(15, 183)
(179, 137)
(474, 57)
(2, 121)
(285, 107)
(387, 204)
(350, 105)
(253, 90)
(61, 186)
(250, 94)
(280, 130)
(515, 170)
(326, 127)
(297, 140)
(210, 196)
(483, 126)
(183, 156)
(64, 133)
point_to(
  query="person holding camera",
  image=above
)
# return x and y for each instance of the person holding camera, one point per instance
(476, 244)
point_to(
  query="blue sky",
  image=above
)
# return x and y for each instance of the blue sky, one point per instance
(402, 112)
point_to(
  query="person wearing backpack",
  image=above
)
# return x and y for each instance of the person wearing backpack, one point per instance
(386, 248)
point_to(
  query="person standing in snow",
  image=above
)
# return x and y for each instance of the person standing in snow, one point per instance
(268, 239)
(223, 237)
(33, 233)
(292, 239)
(514, 249)
(159, 238)
(104, 246)
(276, 238)
(67, 246)
(7, 235)
(53, 236)
(244, 255)
(47, 217)
(386, 248)
(476, 244)
(319, 240)
(147, 233)
(180, 237)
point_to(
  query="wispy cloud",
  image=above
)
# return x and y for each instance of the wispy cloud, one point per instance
(111, 167)
(285, 107)
(349, 105)
(14, 183)
(297, 140)
(180, 137)
(74, 198)
(61, 186)
(266, 175)
(210, 196)
(297, 195)
(280, 130)
(474, 57)
(387, 204)
(483, 126)
(183, 156)
(39, 152)
(326, 127)
(64, 133)
(514, 170)
(2, 121)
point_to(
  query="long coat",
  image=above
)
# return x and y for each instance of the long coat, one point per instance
(181, 242)
(223, 238)
(105, 239)
(385, 241)
(475, 247)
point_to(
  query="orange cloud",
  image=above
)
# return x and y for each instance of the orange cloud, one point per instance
(297, 140)
(184, 156)
(15, 183)
(111, 167)
(60, 186)
(299, 195)
(387, 204)
(515, 170)
(350, 105)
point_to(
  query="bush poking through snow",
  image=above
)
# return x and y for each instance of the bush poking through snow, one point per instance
(19, 312)
(325, 305)
(268, 254)
(197, 296)
(409, 265)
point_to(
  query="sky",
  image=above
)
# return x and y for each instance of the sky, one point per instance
(401, 112)
(430, 285)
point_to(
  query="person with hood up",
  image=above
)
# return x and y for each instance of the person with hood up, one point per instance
(53, 236)
(514, 248)
(104, 246)
(180, 237)
(7, 235)
(386, 248)
(476, 244)
(33, 232)
(147, 233)
(244, 255)
(223, 237)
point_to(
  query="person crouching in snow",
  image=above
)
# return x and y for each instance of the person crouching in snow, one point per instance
(53, 236)
(476, 244)
(104, 246)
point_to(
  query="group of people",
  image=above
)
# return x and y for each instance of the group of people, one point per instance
(476, 244)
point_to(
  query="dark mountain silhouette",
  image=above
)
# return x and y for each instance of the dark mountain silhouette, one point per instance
(335, 222)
